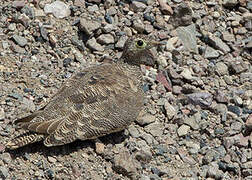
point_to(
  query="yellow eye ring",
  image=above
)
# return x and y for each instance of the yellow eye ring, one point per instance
(140, 43)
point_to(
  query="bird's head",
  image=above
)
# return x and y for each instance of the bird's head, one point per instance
(137, 50)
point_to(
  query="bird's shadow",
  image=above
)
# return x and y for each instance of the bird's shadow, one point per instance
(40, 148)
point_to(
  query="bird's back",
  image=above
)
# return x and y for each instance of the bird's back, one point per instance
(97, 101)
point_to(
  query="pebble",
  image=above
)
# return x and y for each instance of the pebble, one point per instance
(183, 130)
(123, 163)
(89, 26)
(188, 37)
(230, 3)
(21, 41)
(133, 131)
(211, 53)
(4, 172)
(51, 159)
(137, 6)
(58, 8)
(2, 114)
(203, 99)
(221, 69)
(219, 44)
(165, 8)
(155, 129)
(193, 121)
(99, 147)
(146, 119)
(249, 121)
(170, 110)
(106, 39)
(93, 45)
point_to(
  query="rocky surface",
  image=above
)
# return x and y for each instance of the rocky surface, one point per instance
(197, 121)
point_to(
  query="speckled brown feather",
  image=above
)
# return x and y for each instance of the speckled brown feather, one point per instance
(95, 102)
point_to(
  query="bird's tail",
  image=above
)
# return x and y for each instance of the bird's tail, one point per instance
(24, 139)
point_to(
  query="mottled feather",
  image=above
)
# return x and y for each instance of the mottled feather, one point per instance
(95, 102)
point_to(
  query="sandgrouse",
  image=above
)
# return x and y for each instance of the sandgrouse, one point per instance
(96, 101)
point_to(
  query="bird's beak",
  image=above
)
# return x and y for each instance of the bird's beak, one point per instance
(156, 43)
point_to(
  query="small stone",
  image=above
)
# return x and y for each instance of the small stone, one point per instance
(203, 99)
(92, 44)
(93, 8)
(18, 4)
(221, 68)
(193, 121)
(249, 121)
(234, 109)
(21, 41)
(133, 131)
(155, 129)
(143, 155)
(237, 100)
(214, 172)
(124, 164)
(138, 25)
(221, 97)
(51, 159)
(187, 74)
(58, 8)
(4, 172)
(137, 6)
(106, 39)
(218, 44)
(226, 36)
(182, 15)
(2, 114)
(146, 119)
(183, 130)
(230, 3)
(99, 147)
(188, 37)
(165, 8)
(120, 43)
(89, 26)
(170, 110)
(211, 53)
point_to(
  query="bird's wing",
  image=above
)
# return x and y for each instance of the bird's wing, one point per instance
(83, 106)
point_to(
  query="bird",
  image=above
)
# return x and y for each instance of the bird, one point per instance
(96, 101)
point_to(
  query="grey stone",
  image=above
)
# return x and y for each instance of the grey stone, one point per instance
(170, 110)
(2, 114)
(188, 37)
(21, 41)
(183, 130)
(92, 44)
(137, 6)
(155, 129)
(203, 99)
(138, 25)
(214, 172)
(120, 43)
(144, 155)
(106, 39)
(108, 28)
(4, 172)
(193, 121)
(124, 164)
(211, 53)
(230, 3)
(93, 8)
(133, 131)
(146, 119)
(58, 8)
(89, 26)
(218, 44)
(221, 68)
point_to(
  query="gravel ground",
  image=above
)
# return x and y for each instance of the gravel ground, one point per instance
(198, 111)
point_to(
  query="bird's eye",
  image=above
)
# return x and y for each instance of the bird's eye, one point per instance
(140, 43)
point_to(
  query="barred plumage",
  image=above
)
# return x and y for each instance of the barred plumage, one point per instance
(95, 102)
